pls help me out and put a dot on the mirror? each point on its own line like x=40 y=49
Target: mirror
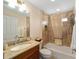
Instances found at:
x=15 y=23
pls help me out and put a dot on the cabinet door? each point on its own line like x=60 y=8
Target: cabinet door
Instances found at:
x=34 y=55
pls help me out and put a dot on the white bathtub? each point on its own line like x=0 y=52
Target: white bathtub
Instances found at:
x=60 y=52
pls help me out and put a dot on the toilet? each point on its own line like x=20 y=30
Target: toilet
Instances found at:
x=45 y=53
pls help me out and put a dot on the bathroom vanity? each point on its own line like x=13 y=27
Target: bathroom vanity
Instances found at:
x=27 y=52
x=32 y=53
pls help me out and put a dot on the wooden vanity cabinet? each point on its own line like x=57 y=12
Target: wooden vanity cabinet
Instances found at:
x=32 y=53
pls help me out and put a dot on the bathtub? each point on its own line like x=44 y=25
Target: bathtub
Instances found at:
x=60 y=52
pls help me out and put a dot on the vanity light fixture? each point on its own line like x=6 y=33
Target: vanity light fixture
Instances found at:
x=17 y=4
x=64 y=20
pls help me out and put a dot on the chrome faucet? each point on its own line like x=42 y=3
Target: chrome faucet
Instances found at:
x=18 y=39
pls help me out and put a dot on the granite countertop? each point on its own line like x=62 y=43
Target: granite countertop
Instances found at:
x=8 y=54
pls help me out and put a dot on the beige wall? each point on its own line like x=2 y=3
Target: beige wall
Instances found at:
x=35 y=21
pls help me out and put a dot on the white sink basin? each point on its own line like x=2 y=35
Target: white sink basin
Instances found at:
x=20 y=47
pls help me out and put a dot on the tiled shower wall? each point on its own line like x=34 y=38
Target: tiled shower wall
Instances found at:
x=58 y=30
x=62 y=30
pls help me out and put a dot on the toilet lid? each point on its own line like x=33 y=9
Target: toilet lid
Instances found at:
x=45 y=52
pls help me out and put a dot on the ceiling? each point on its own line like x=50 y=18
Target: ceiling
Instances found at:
x=50 y=7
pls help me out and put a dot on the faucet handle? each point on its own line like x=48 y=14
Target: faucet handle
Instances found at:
x=73 y=51
x=16 y=36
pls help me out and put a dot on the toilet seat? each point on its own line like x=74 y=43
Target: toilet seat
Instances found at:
x=45 y=52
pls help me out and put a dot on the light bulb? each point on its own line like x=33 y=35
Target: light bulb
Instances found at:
x=11 y=5
x=21 y=10
x=22 y=7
